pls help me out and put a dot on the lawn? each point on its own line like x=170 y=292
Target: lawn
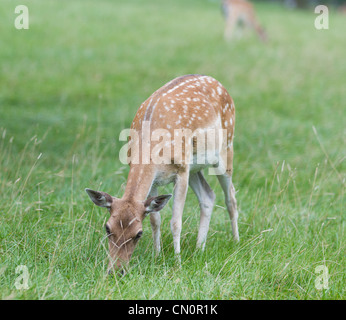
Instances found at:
x=72 y=81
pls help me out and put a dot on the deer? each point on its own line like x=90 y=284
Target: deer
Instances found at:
x=190 y=103
x=342 y=9
x=242 y=12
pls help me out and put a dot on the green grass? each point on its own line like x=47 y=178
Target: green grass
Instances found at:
x=75 y=79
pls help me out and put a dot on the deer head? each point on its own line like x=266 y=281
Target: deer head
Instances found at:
x=125 y=226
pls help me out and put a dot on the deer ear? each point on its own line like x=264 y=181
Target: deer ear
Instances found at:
x=155 y=204
x=101 y=199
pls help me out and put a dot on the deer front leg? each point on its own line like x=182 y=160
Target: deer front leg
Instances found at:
x=231 y=24
x=179 y=196
x=155 y=221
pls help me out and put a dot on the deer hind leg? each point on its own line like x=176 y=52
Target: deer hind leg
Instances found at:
x=229 y=191
x=255 y=25
x=261 y=33
x=231 y=202
x=155 y=221
x=206 y=198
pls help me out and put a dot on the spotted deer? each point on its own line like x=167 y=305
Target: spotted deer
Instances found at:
x=188 y=104
x=240 y=12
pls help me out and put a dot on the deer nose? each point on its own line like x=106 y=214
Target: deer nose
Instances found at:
x=120 y=272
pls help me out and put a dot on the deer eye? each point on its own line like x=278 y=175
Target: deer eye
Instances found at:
x=108 y=231
x=138 y=235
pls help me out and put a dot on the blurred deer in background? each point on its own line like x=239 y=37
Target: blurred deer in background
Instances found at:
x=342 y=9
x=240 y=12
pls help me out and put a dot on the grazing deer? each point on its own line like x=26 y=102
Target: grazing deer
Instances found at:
x=342 y=9
x=188 y=104
x=240 y=12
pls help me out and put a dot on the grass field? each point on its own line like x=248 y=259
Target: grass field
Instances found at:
x=75 y=79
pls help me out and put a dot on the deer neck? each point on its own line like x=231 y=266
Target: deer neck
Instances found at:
x=139 y=181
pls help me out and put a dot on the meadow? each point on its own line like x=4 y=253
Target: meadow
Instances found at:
x=72 y=81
